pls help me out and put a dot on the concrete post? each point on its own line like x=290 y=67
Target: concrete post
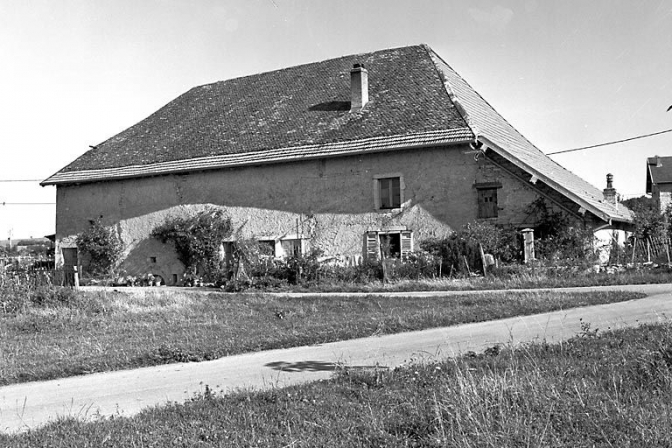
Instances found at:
x=528 y=245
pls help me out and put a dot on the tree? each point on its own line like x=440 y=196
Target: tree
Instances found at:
x=102 y=245
x=648 y=220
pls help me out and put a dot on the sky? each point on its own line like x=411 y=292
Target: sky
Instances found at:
x=566 y=74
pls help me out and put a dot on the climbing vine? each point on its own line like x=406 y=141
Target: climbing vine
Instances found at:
x=197 y=239
x=102 y=245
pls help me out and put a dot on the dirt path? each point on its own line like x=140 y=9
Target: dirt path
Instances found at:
x=29 y=405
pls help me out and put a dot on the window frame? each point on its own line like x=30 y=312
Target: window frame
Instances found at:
x=372 y=242
x=377 y=187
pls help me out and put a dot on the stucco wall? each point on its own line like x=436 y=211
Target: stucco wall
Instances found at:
x=329 y=201
x=663 y=196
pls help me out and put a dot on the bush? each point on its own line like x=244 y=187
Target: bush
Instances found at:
x=102 y=245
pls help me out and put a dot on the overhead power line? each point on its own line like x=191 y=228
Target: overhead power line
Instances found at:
x=21 y=180
x=27 y=203
x=609 y=143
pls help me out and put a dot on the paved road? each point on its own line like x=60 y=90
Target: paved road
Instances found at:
x=29 y=405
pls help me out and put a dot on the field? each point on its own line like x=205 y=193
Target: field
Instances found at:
x=66 y=333
x=595 y=390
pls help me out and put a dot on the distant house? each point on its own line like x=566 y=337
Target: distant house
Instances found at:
x=659 y=180
x=335 y=155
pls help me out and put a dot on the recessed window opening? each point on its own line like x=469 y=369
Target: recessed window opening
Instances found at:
x=390 y=245
x=390 y=192
x=291 y=248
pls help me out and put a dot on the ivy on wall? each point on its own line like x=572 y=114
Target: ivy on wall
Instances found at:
x=197 y=239
x=102 y=245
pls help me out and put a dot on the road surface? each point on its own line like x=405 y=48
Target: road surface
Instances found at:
x=29 y=405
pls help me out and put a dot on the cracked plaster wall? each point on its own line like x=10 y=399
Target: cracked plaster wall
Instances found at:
x=330 y=201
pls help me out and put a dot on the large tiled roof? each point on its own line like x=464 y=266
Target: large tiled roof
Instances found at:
x=286 y=113
x=415 y=100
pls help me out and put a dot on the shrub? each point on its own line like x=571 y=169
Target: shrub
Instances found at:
x=558 y=238
x=197 y=240
x=102 y=245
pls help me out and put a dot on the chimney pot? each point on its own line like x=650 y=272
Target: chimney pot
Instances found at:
x=609 y=193
x=359 y=87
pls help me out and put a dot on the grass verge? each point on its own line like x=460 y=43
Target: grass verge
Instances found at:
x=103 y=331
x=611 y=389
x=527 y=277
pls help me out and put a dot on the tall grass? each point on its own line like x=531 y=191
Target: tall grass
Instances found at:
x=98 y=331
x=603 y=390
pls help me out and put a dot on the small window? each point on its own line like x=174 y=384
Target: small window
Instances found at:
x=291 y=248
x=152 y=259
x=388 y=191
x=487 y=199
x=394 y=244
x=487 y=203
x=267 y=247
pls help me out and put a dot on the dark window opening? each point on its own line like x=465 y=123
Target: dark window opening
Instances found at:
x=152 y=259
x=267 y=247
x=393 y=244
x=390 y=245
x=390 y=192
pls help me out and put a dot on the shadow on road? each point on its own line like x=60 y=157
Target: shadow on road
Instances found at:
x=315 y=366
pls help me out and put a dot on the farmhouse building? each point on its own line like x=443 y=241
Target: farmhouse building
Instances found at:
x=659 y=181
x=334 y=155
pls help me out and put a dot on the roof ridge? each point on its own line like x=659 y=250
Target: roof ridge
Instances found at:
x=306 y=64
x=449 y=90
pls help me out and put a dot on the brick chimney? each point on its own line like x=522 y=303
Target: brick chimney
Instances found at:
x=359 y=87
x=610 y=192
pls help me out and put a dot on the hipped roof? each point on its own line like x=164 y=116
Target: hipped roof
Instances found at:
x=415 y=100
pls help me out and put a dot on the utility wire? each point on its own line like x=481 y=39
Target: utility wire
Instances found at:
x=609 y=143
x=27 y=203
x=21 y=180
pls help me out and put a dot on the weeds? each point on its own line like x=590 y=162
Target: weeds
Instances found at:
x=584 y=392
x=64 y=332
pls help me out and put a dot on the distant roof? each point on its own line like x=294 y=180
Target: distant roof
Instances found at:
x=658 y=171
x=415 y=100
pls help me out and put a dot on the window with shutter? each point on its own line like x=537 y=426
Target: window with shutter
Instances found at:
x=371 y=245
x=487 y=199
x=406 y=243
x=391 y=244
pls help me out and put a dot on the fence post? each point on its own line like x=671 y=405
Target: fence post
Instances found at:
x=75 y=276
x=528 y=245
x=648 y=250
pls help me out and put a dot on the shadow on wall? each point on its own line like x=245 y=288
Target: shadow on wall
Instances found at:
x=151 y=256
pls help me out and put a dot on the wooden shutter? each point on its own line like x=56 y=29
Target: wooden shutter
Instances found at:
x=487 y=203
x=406 y=243
x=371 y=247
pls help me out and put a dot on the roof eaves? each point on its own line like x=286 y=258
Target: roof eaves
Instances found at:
x=308 y=152
x=607 y=217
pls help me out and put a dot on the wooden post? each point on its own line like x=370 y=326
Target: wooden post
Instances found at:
x=648 y=250
x=634 y=250
x=485 y=267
